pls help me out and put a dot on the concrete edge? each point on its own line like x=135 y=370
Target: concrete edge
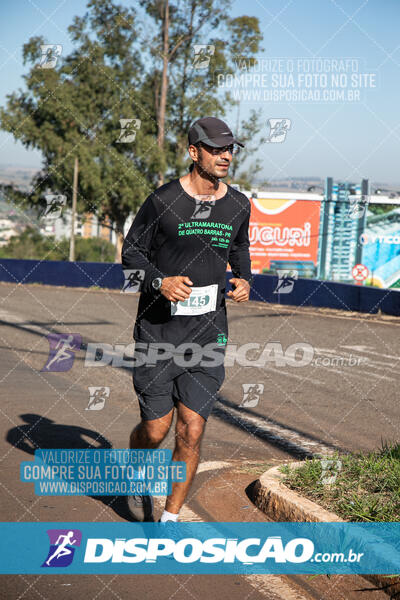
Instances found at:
x=282 y=504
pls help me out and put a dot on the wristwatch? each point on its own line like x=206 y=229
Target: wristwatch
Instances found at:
x=156 y=283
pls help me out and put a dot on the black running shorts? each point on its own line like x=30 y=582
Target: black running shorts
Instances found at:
x=159 y=388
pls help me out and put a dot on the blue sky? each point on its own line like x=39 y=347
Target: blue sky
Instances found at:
x=346 y=140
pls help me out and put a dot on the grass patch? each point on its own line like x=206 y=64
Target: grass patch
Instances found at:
x=366 y=487
x=257 y=468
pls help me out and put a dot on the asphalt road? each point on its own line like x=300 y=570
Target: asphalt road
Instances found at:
x=343 y=398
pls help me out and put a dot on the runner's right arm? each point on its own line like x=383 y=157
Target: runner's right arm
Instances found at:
x=136 y=252
x=137 y=244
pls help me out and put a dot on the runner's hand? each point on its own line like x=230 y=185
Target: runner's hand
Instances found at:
x=176 y=288
x=241 y=292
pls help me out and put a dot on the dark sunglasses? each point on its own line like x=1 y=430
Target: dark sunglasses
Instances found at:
x=232 y=149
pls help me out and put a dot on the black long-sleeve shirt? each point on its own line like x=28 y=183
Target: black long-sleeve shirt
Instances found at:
x=176 y=234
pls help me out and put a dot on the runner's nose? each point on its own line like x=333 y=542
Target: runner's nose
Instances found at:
x=226 y=155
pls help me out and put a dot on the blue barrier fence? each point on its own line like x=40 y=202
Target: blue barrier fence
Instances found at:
x=58 y=272
x=306 y=292
x=328 y=294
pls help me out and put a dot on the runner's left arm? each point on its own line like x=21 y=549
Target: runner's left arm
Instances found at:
x=239 y=254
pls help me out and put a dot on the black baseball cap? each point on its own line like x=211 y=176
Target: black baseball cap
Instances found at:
x=213 y=132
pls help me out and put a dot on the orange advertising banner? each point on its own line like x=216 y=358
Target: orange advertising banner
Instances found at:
x=283 y=229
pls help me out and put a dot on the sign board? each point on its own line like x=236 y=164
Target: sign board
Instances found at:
x=283 y=230
x=360 y=272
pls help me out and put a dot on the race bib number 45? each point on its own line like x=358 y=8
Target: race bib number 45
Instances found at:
x=202 y=300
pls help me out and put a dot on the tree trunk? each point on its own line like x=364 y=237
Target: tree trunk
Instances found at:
x=118 y=245
x=74 y=194
x=164 y=88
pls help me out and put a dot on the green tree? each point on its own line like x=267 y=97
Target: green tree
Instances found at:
x=118 y=71
x=381 y=209
x=33 y=245
x=74 y=110
x=182 y=92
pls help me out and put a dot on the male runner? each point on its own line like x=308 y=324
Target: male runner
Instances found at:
x=182 y=237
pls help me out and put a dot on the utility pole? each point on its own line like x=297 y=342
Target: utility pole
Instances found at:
x=74 y=193
x=164 y=86
x=323 y=272
x=362 y=219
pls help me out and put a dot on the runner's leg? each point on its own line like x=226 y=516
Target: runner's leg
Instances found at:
x=150 y=434
x=147 y=435
x=189 y=431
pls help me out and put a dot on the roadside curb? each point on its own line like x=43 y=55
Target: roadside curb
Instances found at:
x=282 y=504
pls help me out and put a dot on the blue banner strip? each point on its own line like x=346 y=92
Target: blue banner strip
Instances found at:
x=200 y=548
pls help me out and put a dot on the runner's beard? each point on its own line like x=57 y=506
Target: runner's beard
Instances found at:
x=213 y=175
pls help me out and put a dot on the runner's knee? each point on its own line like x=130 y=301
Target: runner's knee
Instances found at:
x=189 y=434
x=154 y=431
x=149 y=432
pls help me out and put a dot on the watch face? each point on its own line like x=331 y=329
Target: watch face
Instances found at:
x=156 y=283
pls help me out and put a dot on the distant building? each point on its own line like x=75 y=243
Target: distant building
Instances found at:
x=8 y=229
x=343 y=219
x=86 y=226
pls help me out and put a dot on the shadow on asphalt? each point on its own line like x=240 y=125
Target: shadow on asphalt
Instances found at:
x=43 y=433
x=24 y=325
x=259 y=315
x=289 y=446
